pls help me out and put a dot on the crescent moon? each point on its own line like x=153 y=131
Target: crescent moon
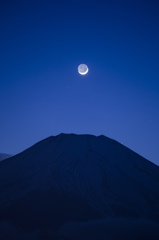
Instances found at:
x=83 y=69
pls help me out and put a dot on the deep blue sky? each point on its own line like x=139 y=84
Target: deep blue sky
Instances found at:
x=41 y=93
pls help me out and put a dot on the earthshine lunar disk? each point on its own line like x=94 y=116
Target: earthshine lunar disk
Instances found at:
x=82 y=69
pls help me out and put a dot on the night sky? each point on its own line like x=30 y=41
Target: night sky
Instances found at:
x=41 y=92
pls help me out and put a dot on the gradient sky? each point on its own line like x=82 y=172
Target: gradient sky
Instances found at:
x=41 y=93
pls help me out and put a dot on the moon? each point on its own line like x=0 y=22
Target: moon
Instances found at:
x=83 y=69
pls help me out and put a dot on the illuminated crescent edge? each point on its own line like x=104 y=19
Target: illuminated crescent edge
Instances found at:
x=84 y=72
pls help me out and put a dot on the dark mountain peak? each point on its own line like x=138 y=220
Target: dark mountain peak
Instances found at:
x=102 y=176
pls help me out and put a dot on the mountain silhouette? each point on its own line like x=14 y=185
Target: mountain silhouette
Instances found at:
x=72 y=177
x=4 y=156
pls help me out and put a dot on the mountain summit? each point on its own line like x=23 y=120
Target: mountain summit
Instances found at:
x=72 y=177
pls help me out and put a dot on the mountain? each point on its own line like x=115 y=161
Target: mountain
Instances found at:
x=73 y=177
x=4 y=156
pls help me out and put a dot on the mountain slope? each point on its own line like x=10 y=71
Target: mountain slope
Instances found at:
x=95 y=176
x=4 y=156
